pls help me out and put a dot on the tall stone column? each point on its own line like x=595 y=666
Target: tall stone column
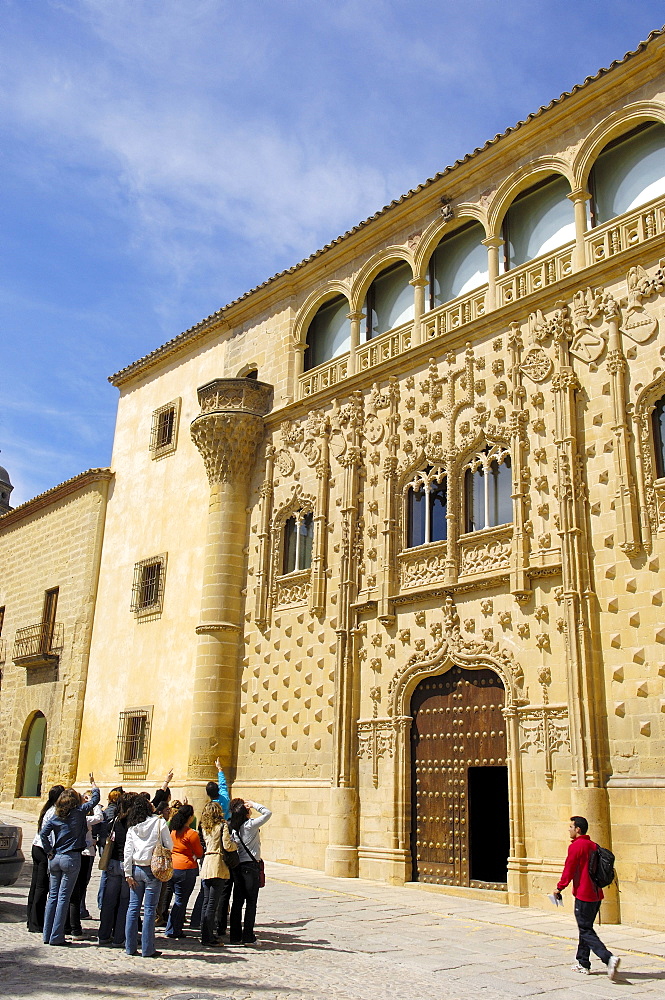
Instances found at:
x=227 y=432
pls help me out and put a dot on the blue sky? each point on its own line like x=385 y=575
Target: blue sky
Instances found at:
x=160 y=157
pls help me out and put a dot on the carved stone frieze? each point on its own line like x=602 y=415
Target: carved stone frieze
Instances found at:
x=292 y=590
x=376 y=739
x=489 y=552
x=638 y=323
x=546 y=730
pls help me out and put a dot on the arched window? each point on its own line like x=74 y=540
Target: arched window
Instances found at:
x=629 y=172
x=458 y=265
x=389 y=301
x=33 y=758
x=487 y=489
x=658 y=426
x=298 y=538
x=427 y=507
x=329 y=333
x=539 y=220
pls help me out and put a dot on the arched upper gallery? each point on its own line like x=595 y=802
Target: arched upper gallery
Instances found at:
x=329 y=332
x=458 y=265
x=628 y=172
x=389 y=300
x=539 y=220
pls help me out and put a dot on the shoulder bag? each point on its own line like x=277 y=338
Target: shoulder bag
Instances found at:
x=231 y=859
x=105 y=856
x=161 y=863
x=259 y=864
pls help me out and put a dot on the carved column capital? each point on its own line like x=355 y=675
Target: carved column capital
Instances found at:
x=230 y=427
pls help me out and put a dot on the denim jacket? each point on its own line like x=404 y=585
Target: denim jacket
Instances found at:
x=69 y=833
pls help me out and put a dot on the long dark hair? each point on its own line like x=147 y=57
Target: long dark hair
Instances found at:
x=239 y=814
x=139 y=811
x=68 y=800
x=53 y=796
x=180 y=819
x=124 y=803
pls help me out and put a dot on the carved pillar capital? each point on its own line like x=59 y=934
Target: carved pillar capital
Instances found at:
x=229 y=428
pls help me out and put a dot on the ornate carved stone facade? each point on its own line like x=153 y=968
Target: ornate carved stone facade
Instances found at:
x=516 y=422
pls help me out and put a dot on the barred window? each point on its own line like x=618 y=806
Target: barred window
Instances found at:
x=148 y=588
x=164 y=432
x=133 y=740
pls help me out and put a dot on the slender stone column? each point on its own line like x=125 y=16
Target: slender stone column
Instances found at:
x=227 y=432
x=579 y=198
x=354 y=342
x=493 y=244
x=419 y=286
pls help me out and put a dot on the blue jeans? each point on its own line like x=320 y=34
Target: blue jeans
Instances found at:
x=146 y=892
x=63 y=872
x=100 y=891
x=114 y=904
x=184 y=880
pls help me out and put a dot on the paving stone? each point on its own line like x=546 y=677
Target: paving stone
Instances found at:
x=324 y=937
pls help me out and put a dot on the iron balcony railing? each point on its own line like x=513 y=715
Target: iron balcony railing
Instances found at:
x=41 y=640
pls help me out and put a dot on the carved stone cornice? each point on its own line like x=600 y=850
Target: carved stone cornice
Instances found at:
x=230 y=426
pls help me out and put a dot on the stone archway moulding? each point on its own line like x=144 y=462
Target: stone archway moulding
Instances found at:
x=319 y=297
x=610 y=128
x=453 y=649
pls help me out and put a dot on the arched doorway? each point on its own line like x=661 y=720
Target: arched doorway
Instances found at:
x=460 y=831
x=33 y=758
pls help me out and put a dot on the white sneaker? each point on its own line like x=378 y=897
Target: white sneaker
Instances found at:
x=580 y=968
x=612 y=967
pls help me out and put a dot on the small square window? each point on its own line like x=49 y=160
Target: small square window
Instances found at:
x=133 y=740
x=164 y=432
x=148 y=587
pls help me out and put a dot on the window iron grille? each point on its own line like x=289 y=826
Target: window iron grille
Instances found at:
x=148 y=586
x=133 y=740
x=164 y=429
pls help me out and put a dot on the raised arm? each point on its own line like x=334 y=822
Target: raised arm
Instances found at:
x=263 y=817
x=89 y=806
x=223 y=798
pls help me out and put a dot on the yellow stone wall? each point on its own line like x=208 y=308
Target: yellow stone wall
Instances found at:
x=52 y=541
x=568 y=612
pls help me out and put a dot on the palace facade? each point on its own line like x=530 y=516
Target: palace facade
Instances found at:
x=387 y=533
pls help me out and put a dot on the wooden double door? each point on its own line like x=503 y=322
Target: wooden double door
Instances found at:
x=459 y=780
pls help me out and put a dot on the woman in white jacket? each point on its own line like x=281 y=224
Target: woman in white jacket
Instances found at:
x=144 y=830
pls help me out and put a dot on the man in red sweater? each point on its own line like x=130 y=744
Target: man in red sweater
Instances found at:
x=588 y=898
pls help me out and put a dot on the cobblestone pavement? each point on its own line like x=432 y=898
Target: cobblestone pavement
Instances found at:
x=336 y=938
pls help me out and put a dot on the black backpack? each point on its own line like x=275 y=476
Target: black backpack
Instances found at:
x=601 y=867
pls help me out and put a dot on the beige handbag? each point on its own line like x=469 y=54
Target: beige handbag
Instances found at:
x=161 y=863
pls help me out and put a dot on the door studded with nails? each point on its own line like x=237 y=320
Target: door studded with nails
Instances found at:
x=459 y=775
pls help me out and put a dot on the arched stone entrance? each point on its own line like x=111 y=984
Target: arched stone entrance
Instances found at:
x=460 y=829
x=32 y=764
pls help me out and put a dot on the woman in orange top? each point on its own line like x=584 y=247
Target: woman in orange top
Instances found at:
x=187 y=849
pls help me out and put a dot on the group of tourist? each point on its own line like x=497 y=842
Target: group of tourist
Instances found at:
x=149 y=852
